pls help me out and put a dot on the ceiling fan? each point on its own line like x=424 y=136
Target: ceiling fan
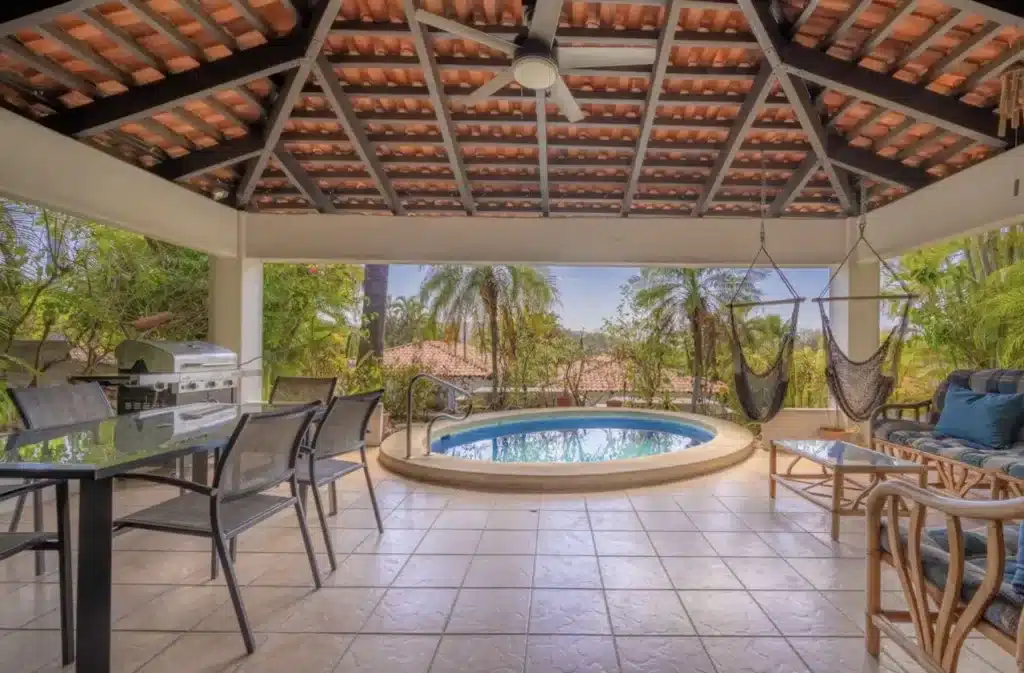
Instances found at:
x=537 y=61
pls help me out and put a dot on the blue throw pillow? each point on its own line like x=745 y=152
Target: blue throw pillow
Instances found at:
x=1018 y=575
x=989 y=419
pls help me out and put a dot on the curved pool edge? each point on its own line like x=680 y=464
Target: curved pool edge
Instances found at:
x=730 y=445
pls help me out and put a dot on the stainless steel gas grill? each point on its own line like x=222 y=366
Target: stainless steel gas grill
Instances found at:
x=156 y=374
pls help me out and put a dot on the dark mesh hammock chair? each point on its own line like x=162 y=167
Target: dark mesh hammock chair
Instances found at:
x=858 y=387
x=762 y=394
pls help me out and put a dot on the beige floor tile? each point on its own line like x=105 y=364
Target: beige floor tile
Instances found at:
x=644 y=654
x=490 y=611
x=273 y=539
x=148 y=540
x=796 y=544
x=425 y=501
x=480 y=654
x=753 y=655
x=508 y=542
x=179 y=609
x=462 y=519
x=367 y=570
x=500 y=571
x=853 y=603
x=766 y=574
x=841 y=655
x=565 y=542
x=290 y=570
x=430 y=570
x=563 y=502
x=449 y=542
x=567 y=572
x=839 y=574
x=681 y=543
x=571 y=654
x=717 y=522
x=633 y=572
x=654 y=502
x=512 y=519
x=749 y=503
x=124 y=598
x=305 y=652
x=614 y=520
x=969 y=662
x=563 y=520
x=29 y=650
x=389 y=542
x=993 y=655
x=151 y=567
x=694 y=502
x=804 y=613
x=568 y=611
x=609 y=503
x=666 y=521
x=329 y=610
x=768 y=522
x=622 y=543
x=412 y=611
x=28 y=603
x=264 y=605
x=726 y=613
x=356 y=518
x=129 y=652
x=520 y=501
x=470 y=501
x=411 y=518
x=647 y=613
x=201 y=653
x=739 y=544
x=812 y=522
x=388 y=654
x=696 y=572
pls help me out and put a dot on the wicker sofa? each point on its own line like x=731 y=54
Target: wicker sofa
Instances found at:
x=960 y=467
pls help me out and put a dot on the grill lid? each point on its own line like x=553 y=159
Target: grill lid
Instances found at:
x=173 y=357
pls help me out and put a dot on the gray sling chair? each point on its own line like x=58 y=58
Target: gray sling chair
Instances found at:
x=302 y=390
x=47 y=407
x=12 y=543
x=260 y=456
x=342 y=430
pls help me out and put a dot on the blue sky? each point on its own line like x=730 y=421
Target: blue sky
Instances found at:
x=591 y=294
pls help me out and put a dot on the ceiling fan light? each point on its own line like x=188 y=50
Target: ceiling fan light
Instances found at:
x=535 y=72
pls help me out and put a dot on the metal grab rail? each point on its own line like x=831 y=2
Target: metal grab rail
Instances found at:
x=430 y=425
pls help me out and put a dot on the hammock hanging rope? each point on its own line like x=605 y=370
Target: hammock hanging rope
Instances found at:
x=762 y=394
x=858 y=387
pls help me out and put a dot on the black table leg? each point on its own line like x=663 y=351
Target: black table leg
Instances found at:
x=95 y=575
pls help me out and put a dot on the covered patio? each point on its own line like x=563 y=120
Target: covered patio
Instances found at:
x=335 y=130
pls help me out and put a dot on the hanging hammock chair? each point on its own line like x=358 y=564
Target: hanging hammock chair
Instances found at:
x=859 y=387
x=762 y=394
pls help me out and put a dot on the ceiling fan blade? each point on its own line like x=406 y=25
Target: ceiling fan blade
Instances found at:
x=562 y=97
x=466 y=32
x=580 y=58
x=545 y=20
x=495 y=84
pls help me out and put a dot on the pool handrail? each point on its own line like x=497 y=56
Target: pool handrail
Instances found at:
x=430 y=424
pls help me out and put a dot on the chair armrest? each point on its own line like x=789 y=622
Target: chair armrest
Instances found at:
x=28 y=487
x=881 y=413
x=984 y=510
x=201 y=489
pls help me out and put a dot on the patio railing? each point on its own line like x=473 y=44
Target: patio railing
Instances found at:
x=430 y=425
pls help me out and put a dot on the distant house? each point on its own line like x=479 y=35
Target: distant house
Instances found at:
x=460 y=363
x=605 y=377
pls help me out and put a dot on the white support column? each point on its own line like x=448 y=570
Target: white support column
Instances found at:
x=236 y=317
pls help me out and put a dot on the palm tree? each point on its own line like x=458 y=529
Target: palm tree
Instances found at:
x=455 y=293
x=692 y=299
x=375 y=305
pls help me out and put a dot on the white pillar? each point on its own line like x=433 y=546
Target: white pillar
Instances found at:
x=236 y=317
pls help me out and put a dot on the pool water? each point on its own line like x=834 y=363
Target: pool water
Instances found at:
x=572 y=439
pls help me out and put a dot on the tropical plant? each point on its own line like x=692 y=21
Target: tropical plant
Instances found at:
x=408 y=321
x=488 y=295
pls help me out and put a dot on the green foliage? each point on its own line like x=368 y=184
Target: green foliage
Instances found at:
x=396 y=391
x=408 y=321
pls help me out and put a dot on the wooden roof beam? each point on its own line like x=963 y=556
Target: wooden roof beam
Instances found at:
x=663 y=54
x=985 y=34
x=888 y=92
x=847 y=22
x=144 y=101
x=542 y=151
x=432 y=78
x=350 y=122
x=312 y=35
x=992 y=69
x=938 y=29
x=209 y=159
x=867 y=163
x=740 y=129
x=16 y=15
x=122 y=39
x=796 y=183
x=167 y=29
x=765 y=26
x=300 y=178
x=46 y=67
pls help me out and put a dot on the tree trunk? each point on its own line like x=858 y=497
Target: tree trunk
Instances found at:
x=698 y=359
x=492 y=314
x=375 y=306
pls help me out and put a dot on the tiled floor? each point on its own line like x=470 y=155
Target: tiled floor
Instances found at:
x=698 y=576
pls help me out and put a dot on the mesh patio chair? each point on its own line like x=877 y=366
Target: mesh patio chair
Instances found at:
x=12 y=543
x=47 y=407
x=260 y=456
x=302 y=390
x=342 y=430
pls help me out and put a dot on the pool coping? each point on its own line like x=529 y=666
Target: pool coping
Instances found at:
x=730 y=445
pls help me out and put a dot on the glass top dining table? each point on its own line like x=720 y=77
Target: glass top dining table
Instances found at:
x=93 y=454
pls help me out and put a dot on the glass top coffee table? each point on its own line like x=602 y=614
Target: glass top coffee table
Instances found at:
x=847 y=474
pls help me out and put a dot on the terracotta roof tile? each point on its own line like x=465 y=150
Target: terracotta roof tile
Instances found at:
x=440 y=358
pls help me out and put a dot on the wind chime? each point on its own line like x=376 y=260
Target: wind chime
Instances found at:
x=1011 y=101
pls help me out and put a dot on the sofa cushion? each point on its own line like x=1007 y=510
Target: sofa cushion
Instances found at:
x=886 y=430
x=989 y=419
x=980 y=381
x=920 y=438
x=1005 y=609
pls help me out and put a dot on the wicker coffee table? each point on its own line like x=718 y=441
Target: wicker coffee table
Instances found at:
x=848 y=473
